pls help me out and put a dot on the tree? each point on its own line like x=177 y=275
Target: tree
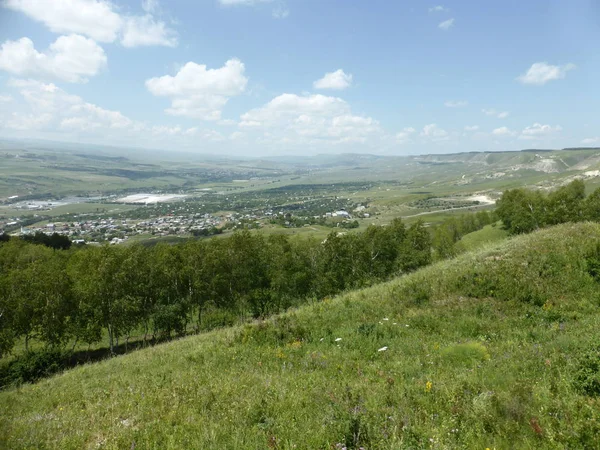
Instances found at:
x=416 y=249
x=522 y=211
x=95 y=275
x=591 y=206
x=566 y=203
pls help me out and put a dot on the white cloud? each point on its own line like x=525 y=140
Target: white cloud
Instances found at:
x=446 y=24
x=99 y=20
x=471 y=128
x=503 y=131
x=438 y=8
x=405 y=135
x=70 y=58
x=46 y=110
x=537 y=130
x=590 y=141
x=150 y=6
x=493 y=112
x=540 y=73
x=146 y=31
x=281 y=13
x=5 y=98
x=456 y=103
x=434 y=133
x=94 y=18
x=310 y=119
x=198 y=92
x=337 y=80
x=56 y=108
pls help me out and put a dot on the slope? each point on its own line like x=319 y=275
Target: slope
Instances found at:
x=493 y=349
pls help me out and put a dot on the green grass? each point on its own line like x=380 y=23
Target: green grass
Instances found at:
x=483 y=351
x=487 y=235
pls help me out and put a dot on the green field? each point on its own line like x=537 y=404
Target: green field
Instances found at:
x=494 y=349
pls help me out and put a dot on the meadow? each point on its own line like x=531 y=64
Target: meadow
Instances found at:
x=496 y=349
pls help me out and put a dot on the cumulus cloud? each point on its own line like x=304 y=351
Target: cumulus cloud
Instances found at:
x=471 y=128
x=446 y=24
x=146 y=31
x=198 y=92
x=94 y=18
x=540 y=73
x=456 y=103
x=503 y=132
x=405 y=135
x=58 y=109
x=45 y=109
x=493 y=112
x=537 y=129
x=296 y=119
x=5 y=98
x=71 y=58
x=337 y=80
x=99 y=20
x=434 y=133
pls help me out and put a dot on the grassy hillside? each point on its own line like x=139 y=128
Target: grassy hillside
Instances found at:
x=495 y=349
x=487 y=235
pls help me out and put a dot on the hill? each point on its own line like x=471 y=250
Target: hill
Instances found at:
x=494 y=349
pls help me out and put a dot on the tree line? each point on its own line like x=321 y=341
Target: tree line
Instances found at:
x=84 y=294
x=523 y=210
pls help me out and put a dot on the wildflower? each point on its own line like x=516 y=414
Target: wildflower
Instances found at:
x=382 y=349
x=385 y=318
x=428 y=386
x=321 y=340
x=338 y=339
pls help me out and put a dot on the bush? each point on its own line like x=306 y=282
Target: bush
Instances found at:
x=32 y=366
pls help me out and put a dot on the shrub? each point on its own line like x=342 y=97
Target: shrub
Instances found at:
x=32 y=366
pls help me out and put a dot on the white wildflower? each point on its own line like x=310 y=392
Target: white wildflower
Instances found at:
x=382 y=349
x=338 y=339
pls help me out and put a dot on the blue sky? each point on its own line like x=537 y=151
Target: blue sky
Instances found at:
x=267 y=77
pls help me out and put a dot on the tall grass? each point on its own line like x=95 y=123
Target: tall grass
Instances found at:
x=493 y=349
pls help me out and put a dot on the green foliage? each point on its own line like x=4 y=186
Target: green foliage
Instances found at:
x=32 y=366
x=113 y=291
x=55 y=240
x=369 y=369
x=587 y=376
x=465 y=354
x=523 y=211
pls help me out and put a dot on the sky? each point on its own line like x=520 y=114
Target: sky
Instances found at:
x=302 y=77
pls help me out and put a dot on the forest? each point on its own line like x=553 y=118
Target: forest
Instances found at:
x=63 y=297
